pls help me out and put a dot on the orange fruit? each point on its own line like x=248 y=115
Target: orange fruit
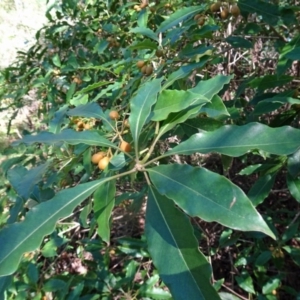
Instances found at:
x=87 y=126
x=103 y=163
x=114 y=115
x=125 y=147
x=159 y=53
x=97 y=157
x=235 y=11
x=149 y=70
x=126 y=123
x=201 y=21
x=140 y=64
x=224 y=13
x=143 y=69
x=215 y=6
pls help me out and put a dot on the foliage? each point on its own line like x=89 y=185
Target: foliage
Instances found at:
x=195 y=94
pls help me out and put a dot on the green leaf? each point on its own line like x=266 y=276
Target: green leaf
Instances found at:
x=209 y=196
x=215 y=108
x=294 y=186
x=261 y=189
x=184 y=71
x=234 y=140
x=23 y=180
x=294 y=54
x=92 y=87
x=79 y=99
x=104 y=201
x=174 y=101
x=141 y=105
x=58 y=120
x=293 y=164
x=56 y=60
x=145 y=32
x=270 y=285
x=26 y=236
x=70 y=92
x=145 y=44
x=270 y=81
x=176 y=118
x=294 y=253
x=69 y=136
x=245 y=282
x=89 y=110
x=271 y=104
x=185 y=270
x=143 y=18
x=209 y=88
x=239 y=42
x=269 y=12
x=179 y=16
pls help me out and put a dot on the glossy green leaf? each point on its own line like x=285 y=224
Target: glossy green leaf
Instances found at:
x=174 y=101
x=184 y=71
x=92 y=87
x=294 y=186
x=271 y=285
x=209 y=196
x=177 y=118
x=270 y=81
x=234 y=140
x=69 y=136
x=26 y=236
x=209 y=88
x=145 y=44
x=56 y=123
x=141 y=105
x=293 y=164
x=270 y=104
x=215 y=108
x=294 y=54
x=294 y=253
x=269 y=12
x=89 y=110
x=143 y=19
x=174 y=250
x=261 y=189
x=245 y=282
x=228 y=296
x=23 y=180
x=179 y=16
x=145 y=32
x=239 y=42
x=170 y=101
x=104 y=200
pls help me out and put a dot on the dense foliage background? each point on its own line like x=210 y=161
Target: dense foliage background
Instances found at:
x=162 y=159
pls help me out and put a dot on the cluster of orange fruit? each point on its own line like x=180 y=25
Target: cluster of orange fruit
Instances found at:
x=144 y=67
x=101 y=158
x=113 y=42
x=217 y=7
x=80 y=125
x=224 y=10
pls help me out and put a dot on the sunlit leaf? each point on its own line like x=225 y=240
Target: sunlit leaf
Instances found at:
x=104 y=200
x=141 y=105
x=69 y=136
x=234 y=140
x=26 y=236
x=174 y=250
x=179 y=16
x=209 y=196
